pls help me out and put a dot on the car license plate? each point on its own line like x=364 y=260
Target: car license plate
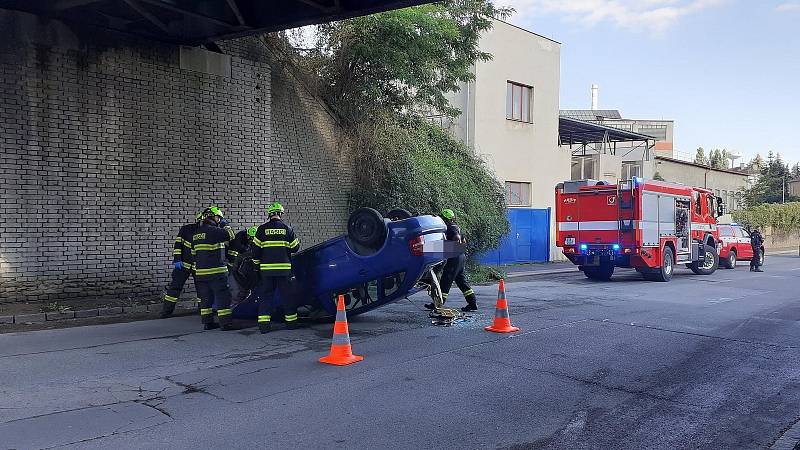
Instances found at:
x=569 y=241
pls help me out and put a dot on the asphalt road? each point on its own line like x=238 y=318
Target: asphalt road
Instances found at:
x=700 y=362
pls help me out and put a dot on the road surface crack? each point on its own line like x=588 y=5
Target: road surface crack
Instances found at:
x=690 y=333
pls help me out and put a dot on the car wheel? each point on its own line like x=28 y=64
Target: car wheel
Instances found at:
x=730 y=261
x=366 y=227
x=664 y=273
x=710 y=264
x=398 y=214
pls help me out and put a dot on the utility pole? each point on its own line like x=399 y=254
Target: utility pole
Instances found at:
x=783 y=188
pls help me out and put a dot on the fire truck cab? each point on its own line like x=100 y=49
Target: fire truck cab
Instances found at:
x=643 y=224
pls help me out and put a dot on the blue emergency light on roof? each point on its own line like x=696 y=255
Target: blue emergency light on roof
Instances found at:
x=584 y=246
x=615 y=246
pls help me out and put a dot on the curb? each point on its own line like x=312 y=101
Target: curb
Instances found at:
x=541 y=272
x=89 y=313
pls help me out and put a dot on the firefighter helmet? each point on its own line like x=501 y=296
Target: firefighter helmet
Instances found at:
x=275 y=208
x=213 y=211
x=448 y=214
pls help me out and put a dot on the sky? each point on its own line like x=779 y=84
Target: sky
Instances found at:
x=726 y=71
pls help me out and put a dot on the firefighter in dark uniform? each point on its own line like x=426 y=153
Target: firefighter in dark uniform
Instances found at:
x=756 y=242
x=454 y=267
x=210 y=269
x=274 y=244
x=242 y=276
x=182 y=265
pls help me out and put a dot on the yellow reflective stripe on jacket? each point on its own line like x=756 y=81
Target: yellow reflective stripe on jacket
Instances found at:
x=177 y=252
x=187 y=244
x=264 y=244
x=206 y=247
x=274 y=244
x=276 y=266
x=233 y=253
x=211 y=271
x=224 y=312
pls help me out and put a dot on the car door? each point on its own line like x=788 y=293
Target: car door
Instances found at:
x=743 y=239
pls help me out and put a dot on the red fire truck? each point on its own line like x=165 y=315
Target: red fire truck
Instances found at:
x=643 y=224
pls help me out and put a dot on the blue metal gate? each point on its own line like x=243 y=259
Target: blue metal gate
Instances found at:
x=528 y=241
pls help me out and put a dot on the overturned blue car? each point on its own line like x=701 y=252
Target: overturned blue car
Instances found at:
x=378 y=261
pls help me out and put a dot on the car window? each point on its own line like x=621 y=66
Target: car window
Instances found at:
x=697 y=204
x=390 y=284
x=725 y=231
x=743 y=233
x=360 y=295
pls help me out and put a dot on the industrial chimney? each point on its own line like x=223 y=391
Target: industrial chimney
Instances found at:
x=594 y=97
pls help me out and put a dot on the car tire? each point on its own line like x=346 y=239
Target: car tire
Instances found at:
x=664 y=273
x=603 y=272
x=730 y=261
x=398 y=214
x=707 y=269
x=366 y=228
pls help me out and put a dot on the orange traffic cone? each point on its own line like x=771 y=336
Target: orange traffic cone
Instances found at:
x=341 y=352
x=502 y=323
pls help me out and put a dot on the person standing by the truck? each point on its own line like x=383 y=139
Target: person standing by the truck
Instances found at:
x=756 y=242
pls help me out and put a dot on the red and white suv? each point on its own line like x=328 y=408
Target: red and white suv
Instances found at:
x=735 y=242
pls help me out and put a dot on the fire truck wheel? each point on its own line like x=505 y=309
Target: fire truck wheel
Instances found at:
x=603 y=272
x=710 y=264
x=730 y=261
x=663 y=273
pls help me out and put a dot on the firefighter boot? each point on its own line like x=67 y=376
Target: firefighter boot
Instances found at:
x=264 y=327
x=207 y=318
x=471 y=306
x=167 y=309
x=226 y=323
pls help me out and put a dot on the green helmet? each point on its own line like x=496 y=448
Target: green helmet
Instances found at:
x=448 y=214
x=252 y=231
x=213 y=211
x=275 y=208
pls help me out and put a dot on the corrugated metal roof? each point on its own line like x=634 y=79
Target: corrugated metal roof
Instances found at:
x=590 y=114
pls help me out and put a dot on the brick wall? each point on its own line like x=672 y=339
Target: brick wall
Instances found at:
x=108 y=146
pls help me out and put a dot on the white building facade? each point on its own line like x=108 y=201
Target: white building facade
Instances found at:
x=510 y=118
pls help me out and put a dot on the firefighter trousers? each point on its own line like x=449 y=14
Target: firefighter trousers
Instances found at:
x=174 y=289
x=755 y=263
x=454 y=271
x=268 y=302
x=213 y=290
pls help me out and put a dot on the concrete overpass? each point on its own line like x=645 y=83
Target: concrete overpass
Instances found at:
x=198 y=21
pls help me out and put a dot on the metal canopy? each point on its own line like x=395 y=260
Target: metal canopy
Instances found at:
x=573 y=132
x=195 y=22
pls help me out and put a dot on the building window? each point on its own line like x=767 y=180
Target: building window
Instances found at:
x=518 y=194
x=585 y=167
x=631 y=169
x=518 y=102
x=659 y=132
